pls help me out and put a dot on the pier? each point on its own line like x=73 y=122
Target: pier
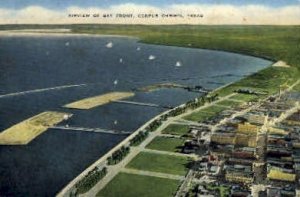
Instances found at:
x=95 y=130
x=142 y=104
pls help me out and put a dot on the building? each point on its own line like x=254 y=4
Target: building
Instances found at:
x=220 y=138
x=256 y=118
x=248 y=128
x=280 y=175
x=239 y=177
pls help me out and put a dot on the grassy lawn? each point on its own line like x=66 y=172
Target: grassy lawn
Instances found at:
x=199 y=116
x=267 y=80
x=229 y=103
x=297 y=88
x=166 y=144
x=128 y=185
x=205 y=114
x=214 y=109
x=244 y=97
x=176 y=129
x=160 y=163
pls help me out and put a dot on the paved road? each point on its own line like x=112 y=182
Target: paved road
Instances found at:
x=170 y=135
x=192 y=123
x=154 y=174
x=185 y=185
x=171 y=153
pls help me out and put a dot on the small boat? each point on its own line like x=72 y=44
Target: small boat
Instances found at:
x=121 y=60
x=67 y=44
x=138 y=48
x=178 y=64
x=115 y=82
x=66 y=117
x=109 y=45
x=151 y=57
x=115 y=122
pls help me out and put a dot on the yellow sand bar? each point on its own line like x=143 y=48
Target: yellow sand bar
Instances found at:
x=96 y=101
x=25 y=131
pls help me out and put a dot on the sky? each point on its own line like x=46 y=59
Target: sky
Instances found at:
x=282 y=12
x=62 y=4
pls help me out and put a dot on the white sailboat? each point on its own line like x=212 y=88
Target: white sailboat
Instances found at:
x=116 y=82
x=109 y=45
x=151 y=57
x=138 y=48
x=178 y=64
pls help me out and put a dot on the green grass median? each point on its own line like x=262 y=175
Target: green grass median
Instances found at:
x=166 y=144
x=129 y=185
x=176 y=129
x=162 y=163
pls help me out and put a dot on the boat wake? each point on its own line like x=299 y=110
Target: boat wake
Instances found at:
x=40 y=90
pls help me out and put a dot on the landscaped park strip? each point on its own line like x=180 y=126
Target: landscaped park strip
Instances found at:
x=139 y=138
x=118 y=155
x=176 y=129
x=170 y=144
x=27 y=130
x=91 y=179
x=89 y=103
x=162 y=163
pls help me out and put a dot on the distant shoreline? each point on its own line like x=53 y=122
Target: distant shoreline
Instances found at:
x=53 y=32
x=69 y=33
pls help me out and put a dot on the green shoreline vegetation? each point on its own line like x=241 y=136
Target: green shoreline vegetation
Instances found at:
x=90 y=180
x=118 y=155
x=139 y=138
